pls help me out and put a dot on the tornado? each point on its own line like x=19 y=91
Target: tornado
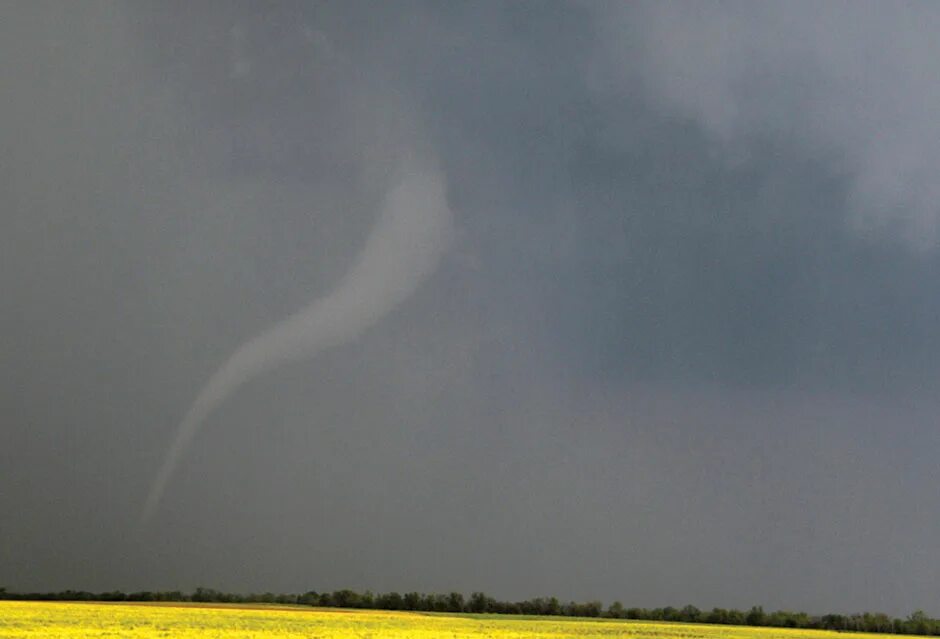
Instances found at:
x=406 y=243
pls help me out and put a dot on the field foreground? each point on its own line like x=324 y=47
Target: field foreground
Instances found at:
x=22 y=619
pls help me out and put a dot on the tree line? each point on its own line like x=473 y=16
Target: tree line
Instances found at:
x=917 y=623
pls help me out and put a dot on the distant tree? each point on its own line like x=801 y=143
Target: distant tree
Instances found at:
x=412 y=601
x=553 y=606
x=717 y=615
x=394 y=601
x=144 y=595
x=205 y=595
x=878 y=622
x=735 y=617
x=756 y=616
x=918 y=623
x=833 y=622
x=114 y=595
x=479 y=602
x=690 y=614
x=455 y=602
x=435 y=603
x=345 y=598
x=589 y=609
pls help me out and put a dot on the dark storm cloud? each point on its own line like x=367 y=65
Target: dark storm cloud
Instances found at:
x=679 y=350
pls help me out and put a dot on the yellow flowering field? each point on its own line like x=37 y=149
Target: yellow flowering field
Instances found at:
x=24 y=619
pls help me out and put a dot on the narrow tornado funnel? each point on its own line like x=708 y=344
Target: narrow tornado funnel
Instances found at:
x=405 y=245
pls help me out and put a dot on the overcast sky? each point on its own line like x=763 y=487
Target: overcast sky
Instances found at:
x=680 y=344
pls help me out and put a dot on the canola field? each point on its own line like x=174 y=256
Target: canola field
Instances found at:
x=32 y=620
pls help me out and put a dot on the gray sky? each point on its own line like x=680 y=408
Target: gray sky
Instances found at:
x=682 y=345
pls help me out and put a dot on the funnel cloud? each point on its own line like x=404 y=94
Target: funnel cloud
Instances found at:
x=681 y=347
x=402 y=250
